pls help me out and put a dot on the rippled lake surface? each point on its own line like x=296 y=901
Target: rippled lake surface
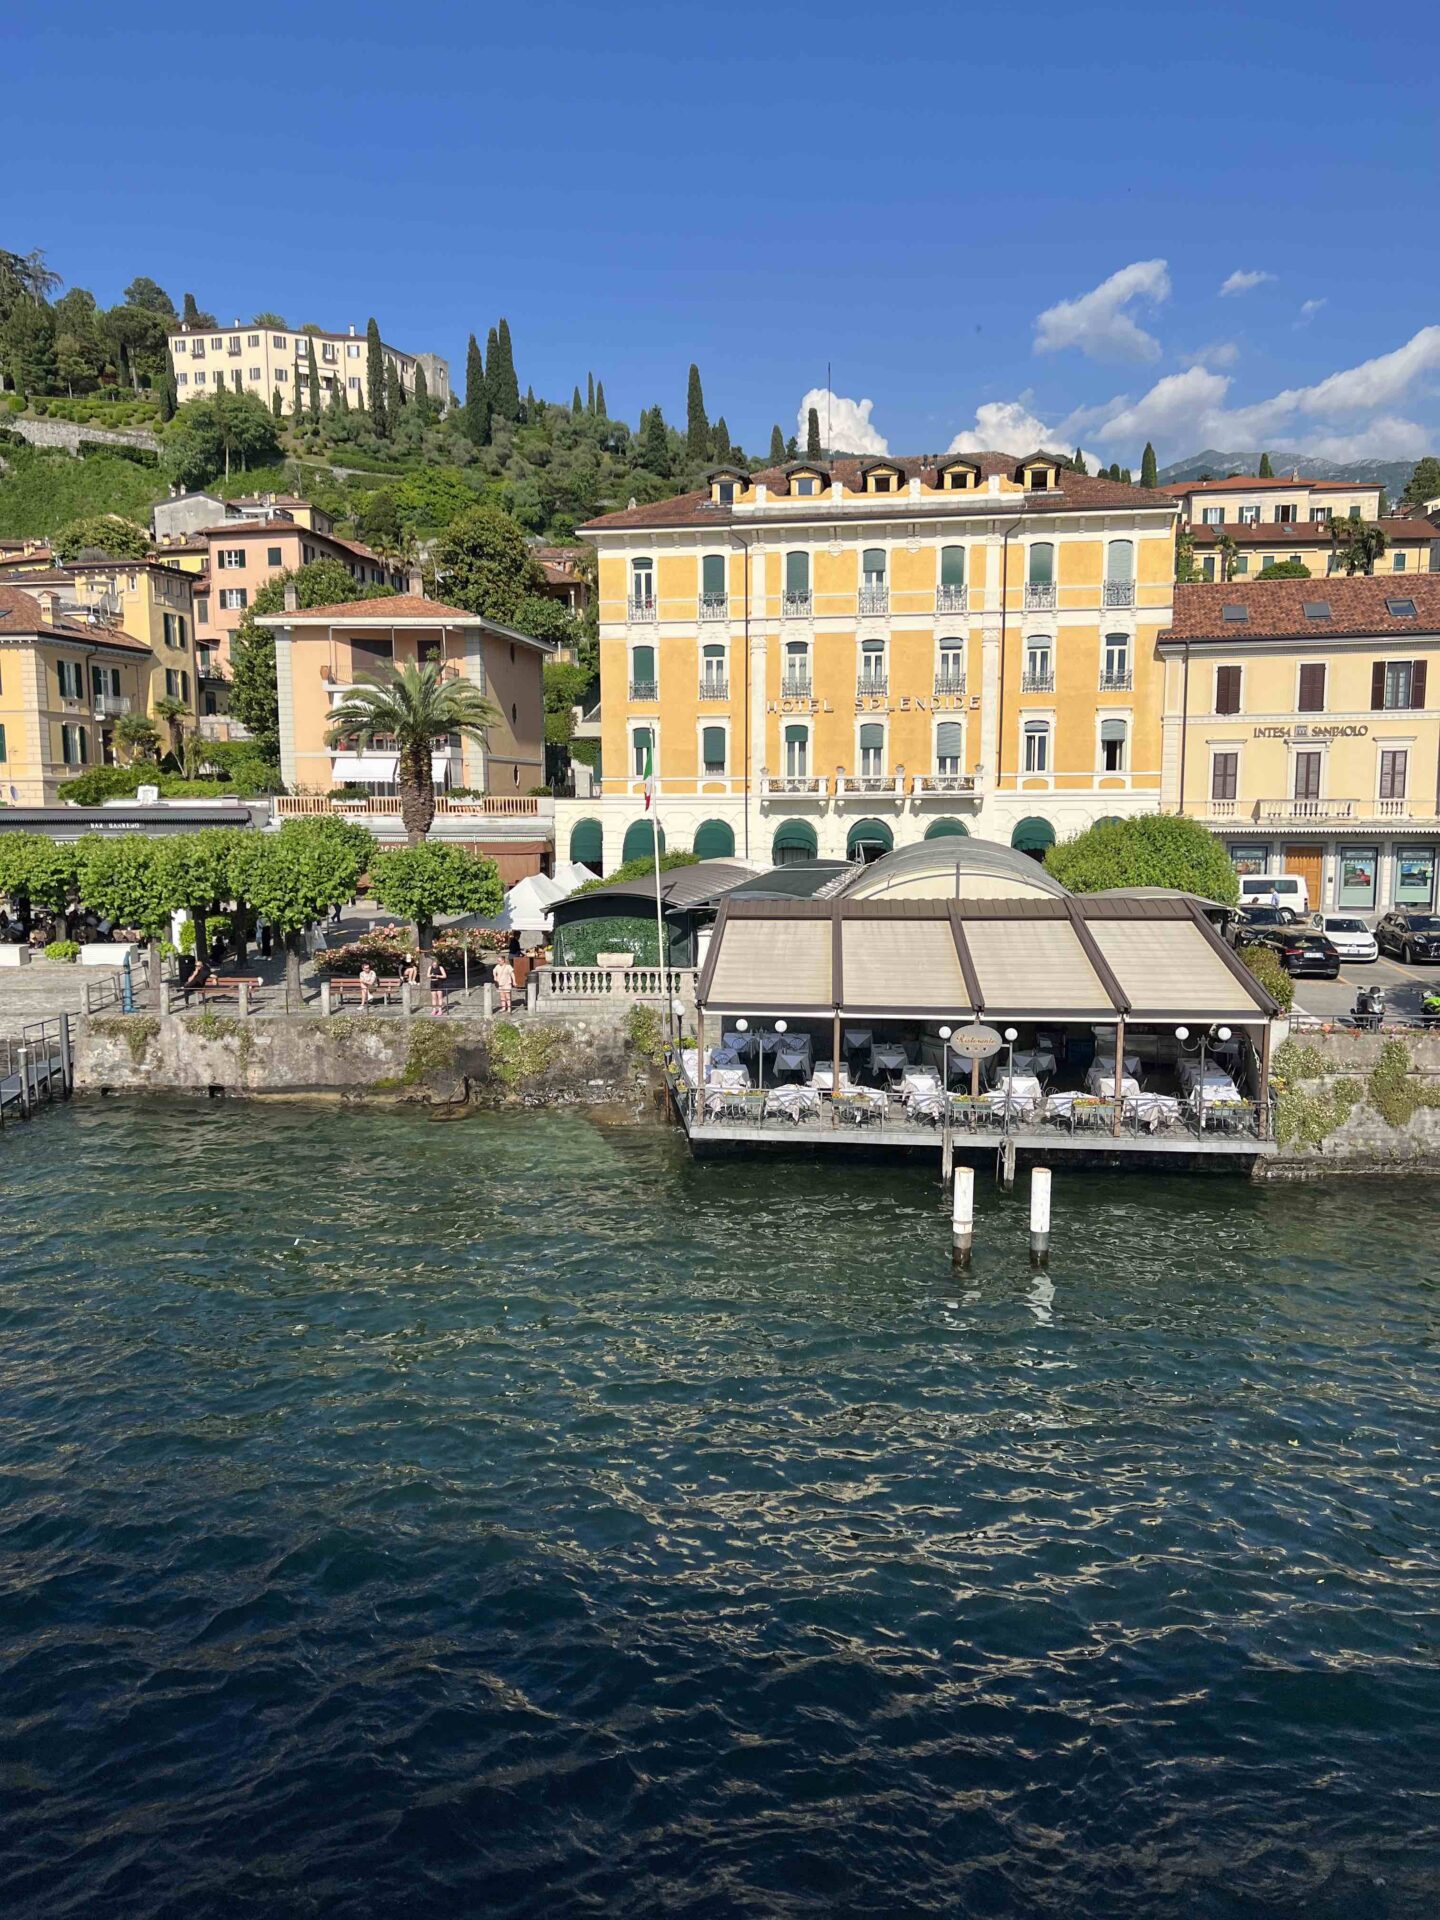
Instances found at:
x=511 y=1517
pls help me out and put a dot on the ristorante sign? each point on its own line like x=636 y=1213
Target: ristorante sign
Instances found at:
x=874 y=703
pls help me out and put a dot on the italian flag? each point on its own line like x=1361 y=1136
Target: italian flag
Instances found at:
x=649 y=775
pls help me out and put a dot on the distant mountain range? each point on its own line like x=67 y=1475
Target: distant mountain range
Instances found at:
x=1393 y=475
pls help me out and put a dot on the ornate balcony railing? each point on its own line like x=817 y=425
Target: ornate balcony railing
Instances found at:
x=1221 y=809
x=1040 y=596
x=1038 y=680
x=945 y=783
x=714 y=688
x=714 y=606
x=872 y=683
x=951 y=683
x=1119 y=593
x=1392 y=809
x=952 y=599
x=641 y=609
x=1117 y=679
x=796 y=686
x=874 y=600
x=796 y=606
x=868 y=785
x=110 y=706
x=795 y=784
x=1293 y=809
x=644 y=690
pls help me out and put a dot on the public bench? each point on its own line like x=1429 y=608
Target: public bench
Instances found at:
x=386 y=988
x=225 y=986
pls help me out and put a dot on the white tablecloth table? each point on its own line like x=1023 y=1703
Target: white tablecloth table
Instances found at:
x=1103 y=1084
x=795 y=1054
x=792 y=1103
x=855 y=1039
x=918 y=1083
x=1105 y=1059
x=1035 y=1060
x=888 y=1056
x=727 y=1079
x=857 y=1105
x=823 y=1077
x=1019 y=1091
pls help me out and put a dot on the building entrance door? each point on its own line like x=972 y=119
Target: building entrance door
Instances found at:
x=1309 y=864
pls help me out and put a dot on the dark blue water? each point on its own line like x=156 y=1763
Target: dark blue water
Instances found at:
x=511 y=1518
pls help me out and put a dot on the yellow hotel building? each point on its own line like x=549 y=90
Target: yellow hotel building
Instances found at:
x=833 y=658
x=1302 y=725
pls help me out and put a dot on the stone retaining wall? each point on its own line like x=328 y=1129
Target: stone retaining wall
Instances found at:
x=1364 y=1103
x=573 y=1062
x=69 y=434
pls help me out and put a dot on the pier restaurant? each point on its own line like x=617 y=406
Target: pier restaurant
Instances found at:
x=947 y=999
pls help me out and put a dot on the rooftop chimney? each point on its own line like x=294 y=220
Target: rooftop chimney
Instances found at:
x=415 y=583
x=47 y=602
x=292 y=597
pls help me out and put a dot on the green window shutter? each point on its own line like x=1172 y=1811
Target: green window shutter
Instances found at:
x=714 y=840
x=587 y=844
x=949 y=740
x=873 y=562
x=872 y=738
x=712 y=574
x=1042 y=564
x=713 y=746
x=794 y=736
x=952 y=566
x=797 y=573
x=642 y=664
x=715 y=653
x=2 y=743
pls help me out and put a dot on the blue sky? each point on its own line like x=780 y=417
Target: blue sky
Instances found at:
x=994 y=222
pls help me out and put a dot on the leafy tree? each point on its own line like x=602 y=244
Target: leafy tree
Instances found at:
x=277 y=405
x=422 y=396
x=137 y=738
x=105 y=533
x=1424 y=482
x=253 y=697
x=600 y=400
x=639 y=869
x=198 y=873
x=336 y=404
x=1152 y=850
x=193 y=318
x=1149 y=472
x=1267 y=472
x=207 y=434
x=777 y=446
x=484 y=563
x=414 y=708
x=25 y=276
x=38 y=872
x=294 y=878
x=1282 y=570
x=654 y=449
x=1125 y=477
x=312 y=379
x=1184 y=556
x=792 y=448
x=375 y=378
x=78 y=362
x=169 y=399
x=150 y=295
x=121 y=877
x=476 y=411
x=505 y=388
x=812 y=434
x=1229 y=554
x=492 y=376
x=1270 y=970
x=378 y=521
x=431 y=497
x=697 y=426
x=1358 y=544
x=431 y=877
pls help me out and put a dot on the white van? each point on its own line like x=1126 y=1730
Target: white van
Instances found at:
x=1275 y=890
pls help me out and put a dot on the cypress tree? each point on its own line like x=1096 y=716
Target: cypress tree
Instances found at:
x=422 y=394
x=697 y=427
x=1126 y=477
x=476 y=411
x=722 y=439
x=590 y=393
x=492 y=377
x=336 y=403
x=236 y=381
x=1078 y=463
x=654 y=451
x=1149 y=473
x=812 y=435
x=777 y=446
x=375 y=378
x=600 y=400
x=575 y=399
x=792 y=448
x=312 y=374
x=530 y=404
x=394 y=396
x=167 y=392
x=506 y=387
x=1267 y=472
x=1112 y=472
x=277 y=405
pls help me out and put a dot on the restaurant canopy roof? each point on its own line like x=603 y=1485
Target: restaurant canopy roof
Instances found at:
x=1087 y=959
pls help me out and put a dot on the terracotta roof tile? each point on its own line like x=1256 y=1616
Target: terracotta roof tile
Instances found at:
x=1275 y=609
x=392 y=607
x=1279 y=533
x=1075 y=491
x=1252 y=483
x=20 y=613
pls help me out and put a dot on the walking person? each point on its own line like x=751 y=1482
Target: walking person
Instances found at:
x=504 y=981
x=438 y=977
x=369 y=980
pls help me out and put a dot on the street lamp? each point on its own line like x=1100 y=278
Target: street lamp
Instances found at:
x=677 y=1007
x=1182 y=1034
x=1011 y=1036
x=945 y=1033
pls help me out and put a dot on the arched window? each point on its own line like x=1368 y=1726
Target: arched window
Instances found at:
x=872 y=565
x=1033 y=836
x=1115 y=674
x=797 y=752
x=639 y=841
x=587 y=844
x=642 y=587
x=1037 y=746
x=1041 y=564
x=642 y=749
x=795 y=677
x=867 y=840
x=713 y=598
x=714 y=840
x=1112 y=746
x=950 y=667
x=797 y=582
x=872 y=751
x=952 y=566
x=794 y=844
x=947 y=828
x=949 y=747
x=872 y=666
x=1120 y=560
x=642 y=673
x=712 y=672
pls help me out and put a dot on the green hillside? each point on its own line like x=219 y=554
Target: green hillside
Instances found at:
x=41 y=491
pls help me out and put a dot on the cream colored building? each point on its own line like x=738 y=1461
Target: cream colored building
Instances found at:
x=1245 y=500
x=1302 y=725
x=834 y=658
x=150 y=602
x=270 y=360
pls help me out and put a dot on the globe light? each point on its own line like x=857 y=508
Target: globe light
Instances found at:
x=1222 y=1033
x=742 y=1025
x=944 y=1033
x=782 y=1026
x=1012 y=1035
x=1182 y=1033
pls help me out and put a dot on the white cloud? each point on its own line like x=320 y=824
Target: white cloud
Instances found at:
x=1219 y=353
x=1098 y=323
x=1387 y=438
x=1171 y=410
x=1241 y=281
x=1308 y=311
x=844 y=424
x=1009 y=426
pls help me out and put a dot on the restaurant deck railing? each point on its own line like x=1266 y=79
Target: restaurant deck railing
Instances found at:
x=501 y=806
x=597 y=983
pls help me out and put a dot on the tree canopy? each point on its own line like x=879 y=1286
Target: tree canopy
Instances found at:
x=207 y=435
x=1152 y=850
x=105 y=534
x=422 y=882
x=484 y=564
x=253 y=697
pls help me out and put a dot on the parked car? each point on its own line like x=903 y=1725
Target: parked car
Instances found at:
x=1301 y=951
x=1251 y=922
x=1350 y=936
x=1409 y=936
x=1275 y=890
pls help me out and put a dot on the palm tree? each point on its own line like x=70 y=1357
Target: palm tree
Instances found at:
x=414 y=708
x=1358 y=544
x=174 y=713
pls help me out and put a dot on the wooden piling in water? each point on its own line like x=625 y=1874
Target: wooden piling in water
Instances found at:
x=962 y=1218
x=1040 y=1217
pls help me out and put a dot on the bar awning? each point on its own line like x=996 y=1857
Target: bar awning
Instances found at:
x=379 y=768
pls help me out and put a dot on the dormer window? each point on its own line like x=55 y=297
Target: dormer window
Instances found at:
x=1039 y=474
x=727 y=485
x=959 y=476
x=880 y=477
x=807 y=483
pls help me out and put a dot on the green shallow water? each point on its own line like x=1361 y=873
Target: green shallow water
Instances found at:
x=510 y=1517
